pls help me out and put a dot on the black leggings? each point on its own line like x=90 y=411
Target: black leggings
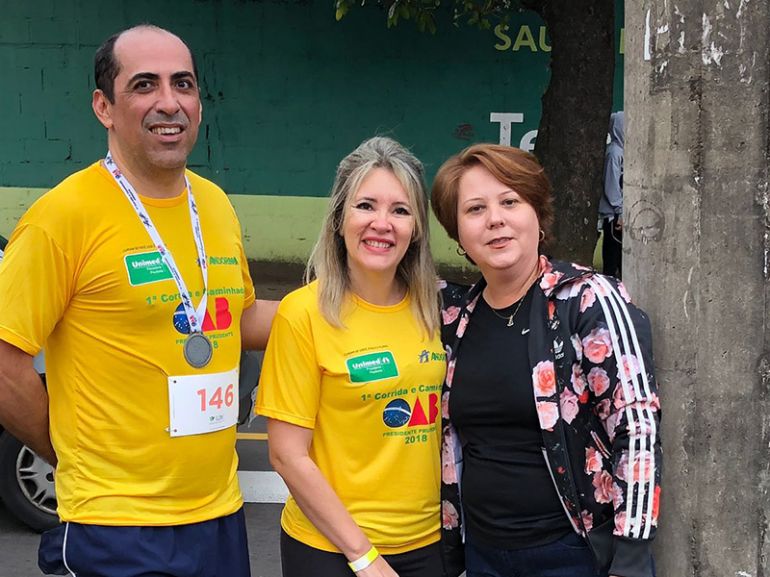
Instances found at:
x=300 y=560
x=612 y=249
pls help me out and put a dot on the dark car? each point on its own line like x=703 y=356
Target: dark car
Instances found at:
x=27 y=481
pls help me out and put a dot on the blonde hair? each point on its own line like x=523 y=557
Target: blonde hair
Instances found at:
x=328 y=261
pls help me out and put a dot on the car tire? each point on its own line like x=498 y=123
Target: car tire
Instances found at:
x=26 y=485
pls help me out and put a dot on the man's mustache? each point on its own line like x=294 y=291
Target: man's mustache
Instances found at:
x=179 y=118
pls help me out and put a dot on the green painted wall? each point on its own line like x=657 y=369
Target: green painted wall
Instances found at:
x=287 y=92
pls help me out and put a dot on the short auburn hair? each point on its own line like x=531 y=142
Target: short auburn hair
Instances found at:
x=513 y=167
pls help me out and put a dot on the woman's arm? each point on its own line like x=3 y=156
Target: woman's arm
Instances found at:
x=617 y=360
x=288 y=446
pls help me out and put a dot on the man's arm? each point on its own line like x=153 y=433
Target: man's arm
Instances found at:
x=255 y=324
x=24 y=401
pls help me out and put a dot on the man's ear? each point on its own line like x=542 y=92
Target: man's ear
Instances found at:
x=200 y=112
x=102 y=108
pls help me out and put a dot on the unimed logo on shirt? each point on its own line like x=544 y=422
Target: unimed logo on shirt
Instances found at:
x=146 y=267
x=372 y=367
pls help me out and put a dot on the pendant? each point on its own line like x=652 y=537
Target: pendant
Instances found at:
x=510 y=321
x=197 y=350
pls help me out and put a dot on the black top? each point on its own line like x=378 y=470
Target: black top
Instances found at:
x=508 y=497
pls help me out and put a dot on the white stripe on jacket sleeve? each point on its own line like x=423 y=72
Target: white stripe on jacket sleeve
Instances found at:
x=640 y=421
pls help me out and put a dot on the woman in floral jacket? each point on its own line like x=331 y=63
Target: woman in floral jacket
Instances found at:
x=551 y=428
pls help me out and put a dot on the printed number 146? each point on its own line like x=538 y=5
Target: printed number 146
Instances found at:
x=217 y=399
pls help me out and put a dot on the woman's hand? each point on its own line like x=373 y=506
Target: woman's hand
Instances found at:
x=378 y=568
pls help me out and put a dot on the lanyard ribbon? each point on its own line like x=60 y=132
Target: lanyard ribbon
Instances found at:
x=195 y=316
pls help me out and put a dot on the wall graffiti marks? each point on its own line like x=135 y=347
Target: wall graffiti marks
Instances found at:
x=464 y=131
x=647 y=222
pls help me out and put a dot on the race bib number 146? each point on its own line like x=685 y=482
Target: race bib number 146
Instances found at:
x=201 y=404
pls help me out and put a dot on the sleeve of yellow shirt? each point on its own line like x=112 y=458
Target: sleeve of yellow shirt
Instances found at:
x=290 y=383
x=36 y=282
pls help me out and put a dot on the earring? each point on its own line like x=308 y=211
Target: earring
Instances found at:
x=542 y=235
x=461 y=251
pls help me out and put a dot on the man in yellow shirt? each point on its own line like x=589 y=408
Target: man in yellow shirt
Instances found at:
x=132 y=274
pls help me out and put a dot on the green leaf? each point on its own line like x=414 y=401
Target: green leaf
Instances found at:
x=342 y=7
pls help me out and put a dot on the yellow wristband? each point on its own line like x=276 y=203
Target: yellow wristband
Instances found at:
x=363 y=562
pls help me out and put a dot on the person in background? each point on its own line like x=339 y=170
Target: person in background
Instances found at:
x=611 y=202
x=550 y=406
x=351 y=382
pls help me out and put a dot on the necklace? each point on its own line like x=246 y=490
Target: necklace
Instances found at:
x=509 y=317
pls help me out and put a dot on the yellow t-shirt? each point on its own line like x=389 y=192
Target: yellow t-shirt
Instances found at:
x=81 y=278
x=371 y=392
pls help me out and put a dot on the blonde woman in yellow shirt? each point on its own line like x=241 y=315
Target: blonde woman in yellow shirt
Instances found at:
x=352 y=378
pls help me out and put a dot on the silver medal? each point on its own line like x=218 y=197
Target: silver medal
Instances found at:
x=197 y=350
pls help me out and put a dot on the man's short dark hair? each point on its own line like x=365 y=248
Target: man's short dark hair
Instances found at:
x=107 y=67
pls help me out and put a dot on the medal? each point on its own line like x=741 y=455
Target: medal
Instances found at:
x=197 y=350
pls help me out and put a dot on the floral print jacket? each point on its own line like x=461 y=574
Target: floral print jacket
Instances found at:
x=597 y=402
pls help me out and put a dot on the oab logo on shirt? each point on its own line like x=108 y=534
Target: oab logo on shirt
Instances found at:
x=400 y=412
x=372 y=367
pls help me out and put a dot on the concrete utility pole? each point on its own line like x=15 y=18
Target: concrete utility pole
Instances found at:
x=697 y=244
